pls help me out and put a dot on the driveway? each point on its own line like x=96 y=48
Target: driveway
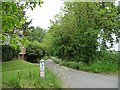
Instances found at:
x=79 y=79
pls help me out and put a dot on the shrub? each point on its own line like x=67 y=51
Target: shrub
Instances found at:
x=56 y=60
x=104 y=66
x=74 y=65
x=107 y=56
x=34 y=51
x=9 y=52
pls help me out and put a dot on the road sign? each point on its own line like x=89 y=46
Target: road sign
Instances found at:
x=42 y=68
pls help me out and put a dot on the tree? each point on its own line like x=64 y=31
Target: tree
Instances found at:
x=36 y=34
x=13 y=17
x=75 y=34
x=35 y=51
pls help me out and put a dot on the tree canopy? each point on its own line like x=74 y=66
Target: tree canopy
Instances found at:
x=76 y=30
x=14 y=19
x=36 y=34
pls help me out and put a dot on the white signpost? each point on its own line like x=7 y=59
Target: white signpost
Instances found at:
x=42 y=68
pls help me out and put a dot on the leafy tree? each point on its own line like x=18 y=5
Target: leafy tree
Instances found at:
x=47 y=43
x=75 y=33
x=100 y=16
x=36 y=34
x=13 y=17
x=35 y=51
x=9 y=52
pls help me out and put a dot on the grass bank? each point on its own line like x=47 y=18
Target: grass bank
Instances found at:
x=22 y=74
x=104 y=67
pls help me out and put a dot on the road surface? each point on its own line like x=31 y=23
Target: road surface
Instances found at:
x=79 y=79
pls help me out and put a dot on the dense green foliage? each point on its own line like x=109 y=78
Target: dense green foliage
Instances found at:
x=36 y=34
x=14 y=15
x=107 y=64
x=15 y=27
x=9 y=52
x=14 y=21
x=34 y=52
x=81 y=31
x=23 y=74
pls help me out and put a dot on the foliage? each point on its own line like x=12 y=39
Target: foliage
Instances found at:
x=15 y=40
x=24 y=42
x=74 y=34
x=13 y=14
x=103 y=66
x=36 y=34
x=9 y=52
x=35 y=51
x=47 y=43
x=98 y=66
x=14 y=19
x=111 y=57
x=23 y=74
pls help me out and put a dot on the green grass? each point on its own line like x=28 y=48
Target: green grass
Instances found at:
x=16 y=65
x=96 y=67
x=0 y=75
x=22 y=74
x=104 y=66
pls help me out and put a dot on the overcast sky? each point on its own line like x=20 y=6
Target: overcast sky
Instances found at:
x=41 y=16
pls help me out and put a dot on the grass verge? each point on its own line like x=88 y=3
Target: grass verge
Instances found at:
x=22 y=74
x=104 y=67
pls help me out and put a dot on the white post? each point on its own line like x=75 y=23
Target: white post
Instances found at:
x=42 y=68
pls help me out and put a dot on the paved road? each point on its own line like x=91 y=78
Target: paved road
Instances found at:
x=78 y=79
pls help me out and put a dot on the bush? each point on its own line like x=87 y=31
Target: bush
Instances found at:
x=98 y=66
x=34 y=52
x=9 y=52
x=56 y=60
x=104 y=66
x=109 y=56
x=73 y=64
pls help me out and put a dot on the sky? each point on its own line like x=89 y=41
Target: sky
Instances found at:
x=41 y=16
